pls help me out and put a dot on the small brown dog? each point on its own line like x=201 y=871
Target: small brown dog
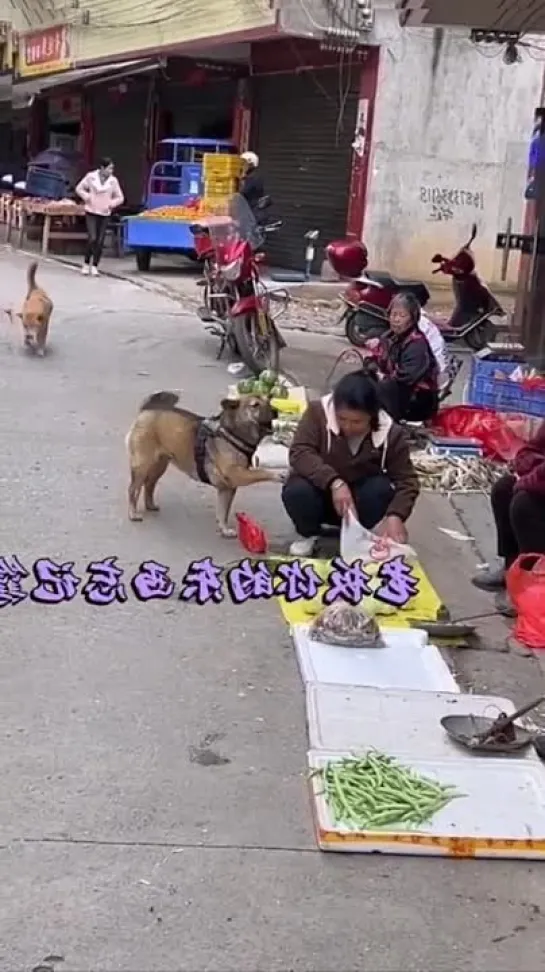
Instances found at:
x=216 y=451
x=35 y=314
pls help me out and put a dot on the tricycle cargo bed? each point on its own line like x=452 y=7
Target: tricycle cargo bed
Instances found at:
x=158 y=234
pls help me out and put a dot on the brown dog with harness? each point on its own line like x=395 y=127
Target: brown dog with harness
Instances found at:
x=216 y=451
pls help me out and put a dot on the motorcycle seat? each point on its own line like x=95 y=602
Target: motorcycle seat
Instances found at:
x=395 y=285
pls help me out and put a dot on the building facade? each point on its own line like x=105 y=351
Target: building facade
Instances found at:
x=406 y=137
x=449 y=147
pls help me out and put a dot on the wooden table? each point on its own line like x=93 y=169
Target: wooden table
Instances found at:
x=48 y=234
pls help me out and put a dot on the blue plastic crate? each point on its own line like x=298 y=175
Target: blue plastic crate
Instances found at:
x=488 y=390
x=45 y=183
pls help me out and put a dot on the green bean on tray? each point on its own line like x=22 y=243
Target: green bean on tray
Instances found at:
x=375 y=791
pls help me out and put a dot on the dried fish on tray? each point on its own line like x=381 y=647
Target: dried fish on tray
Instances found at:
x=455 y=474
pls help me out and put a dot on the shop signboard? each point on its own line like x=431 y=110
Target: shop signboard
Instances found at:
x=45 y=51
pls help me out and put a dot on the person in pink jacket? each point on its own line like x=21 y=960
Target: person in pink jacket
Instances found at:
x=101 y=194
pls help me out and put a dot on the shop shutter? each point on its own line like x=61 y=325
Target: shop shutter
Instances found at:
x=120 y=133
x=303 y=129
x=195 y=108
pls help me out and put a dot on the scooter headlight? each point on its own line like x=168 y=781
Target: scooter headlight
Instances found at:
x=232 y=271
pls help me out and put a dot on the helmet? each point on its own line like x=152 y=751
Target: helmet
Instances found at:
x=251 y=158
x=347 y=257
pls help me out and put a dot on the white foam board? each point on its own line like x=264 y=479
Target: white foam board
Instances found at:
x=501 y=815
x=393 y=720
x=407 y=661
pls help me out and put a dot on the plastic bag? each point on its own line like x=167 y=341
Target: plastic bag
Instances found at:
x=346 y=627
x=251 y=534
x=357 y=543
x=526 y=588
x=500 y=436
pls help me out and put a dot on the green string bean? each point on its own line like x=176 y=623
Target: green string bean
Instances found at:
x=375 y=792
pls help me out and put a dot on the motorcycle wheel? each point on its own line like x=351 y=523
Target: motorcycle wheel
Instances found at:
x=218 y=306
x=481 y=336
x=259 y=352
x=361 y=327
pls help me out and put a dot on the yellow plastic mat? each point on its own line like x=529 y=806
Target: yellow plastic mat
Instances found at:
x=424 y=606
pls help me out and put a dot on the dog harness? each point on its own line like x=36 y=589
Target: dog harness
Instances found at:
x=201 y=438
x=210 y=428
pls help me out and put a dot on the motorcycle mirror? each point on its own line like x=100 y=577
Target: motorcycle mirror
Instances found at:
x=472 y=237
x=437 y=258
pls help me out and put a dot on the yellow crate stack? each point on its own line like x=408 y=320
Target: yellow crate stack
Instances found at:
x=218 y=188
x=221 y=175
x=217 y=166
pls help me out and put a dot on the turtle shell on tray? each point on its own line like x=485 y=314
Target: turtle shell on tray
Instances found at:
x=347 y=627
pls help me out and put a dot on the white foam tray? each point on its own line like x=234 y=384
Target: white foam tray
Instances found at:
x=407 y=661
x=271 y=454
x=394 y=720
x=503 y=814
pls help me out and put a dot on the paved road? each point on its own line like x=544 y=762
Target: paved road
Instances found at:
x=153 y=810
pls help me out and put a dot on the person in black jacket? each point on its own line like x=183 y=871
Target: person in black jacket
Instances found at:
x=409 y=386
x=251 y=186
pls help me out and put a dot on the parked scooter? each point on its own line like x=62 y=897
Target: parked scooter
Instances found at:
x=237 y=306
x=370 y=293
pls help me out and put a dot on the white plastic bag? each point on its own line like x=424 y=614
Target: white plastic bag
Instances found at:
x=357 y=543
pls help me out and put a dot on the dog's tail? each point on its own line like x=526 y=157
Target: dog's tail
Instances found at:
x=159 y=400
x=31 y=277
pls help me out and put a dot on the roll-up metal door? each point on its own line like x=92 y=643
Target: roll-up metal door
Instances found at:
x=197 y=110
x=120 y=133
x=303 y=129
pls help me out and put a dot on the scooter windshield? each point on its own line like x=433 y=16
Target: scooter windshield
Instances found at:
x=233 y=223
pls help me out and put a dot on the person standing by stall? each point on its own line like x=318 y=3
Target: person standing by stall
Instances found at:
x=101 y=194
x=251 y=185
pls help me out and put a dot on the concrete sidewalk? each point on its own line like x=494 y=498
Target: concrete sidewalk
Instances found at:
x=154 y=813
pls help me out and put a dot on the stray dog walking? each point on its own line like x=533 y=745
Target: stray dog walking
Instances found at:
x=215 y=451
x=35 y=314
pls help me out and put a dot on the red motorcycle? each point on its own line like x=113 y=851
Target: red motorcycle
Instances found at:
x=368 y=296
x=237 y=305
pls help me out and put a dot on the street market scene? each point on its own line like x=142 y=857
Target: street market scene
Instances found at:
x=272 y=575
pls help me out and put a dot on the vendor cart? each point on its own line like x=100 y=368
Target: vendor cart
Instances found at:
x=175 y=187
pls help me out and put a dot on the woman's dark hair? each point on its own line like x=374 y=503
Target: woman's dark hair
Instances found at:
x=105 y=162
x=358 y=392
x=411 y=305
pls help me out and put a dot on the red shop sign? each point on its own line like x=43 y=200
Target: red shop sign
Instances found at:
x=45 y=51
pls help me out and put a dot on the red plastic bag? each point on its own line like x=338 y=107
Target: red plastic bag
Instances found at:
x=251 y=535
x=526 y=587
x=501 y=437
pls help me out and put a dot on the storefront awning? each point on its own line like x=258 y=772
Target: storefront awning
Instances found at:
x=525 y=16
x=25 y=90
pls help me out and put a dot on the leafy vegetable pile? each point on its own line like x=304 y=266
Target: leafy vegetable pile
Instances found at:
x=376 y=791
x=268 y=385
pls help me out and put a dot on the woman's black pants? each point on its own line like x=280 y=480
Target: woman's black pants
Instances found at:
x=519 y=519
x=309 y=507
x=96 y=231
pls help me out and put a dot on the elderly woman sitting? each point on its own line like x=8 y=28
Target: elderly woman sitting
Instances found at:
x=409 y=383
x=349 y=454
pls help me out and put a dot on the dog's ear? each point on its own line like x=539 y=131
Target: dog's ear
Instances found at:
x=230 y=404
